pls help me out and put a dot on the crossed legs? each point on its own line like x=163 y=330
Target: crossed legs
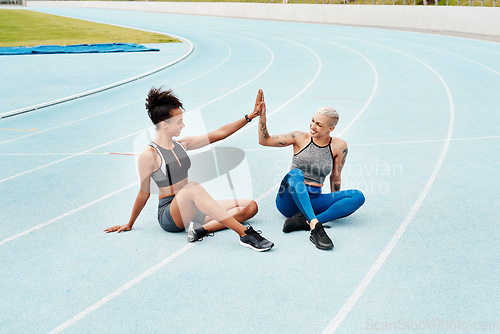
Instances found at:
x=294 y=196
x=220 y=214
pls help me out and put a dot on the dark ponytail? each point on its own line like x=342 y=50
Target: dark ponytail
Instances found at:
x=160 y=104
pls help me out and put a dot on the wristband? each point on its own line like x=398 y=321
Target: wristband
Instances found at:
x=248 y=119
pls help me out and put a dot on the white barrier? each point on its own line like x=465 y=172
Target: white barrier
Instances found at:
x=463 y=19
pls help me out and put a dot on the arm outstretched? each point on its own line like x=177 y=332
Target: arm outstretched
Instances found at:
x=194 y=142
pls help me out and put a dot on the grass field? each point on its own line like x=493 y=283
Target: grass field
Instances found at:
x=27 y=28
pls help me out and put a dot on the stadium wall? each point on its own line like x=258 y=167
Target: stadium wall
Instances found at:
x=455 y=19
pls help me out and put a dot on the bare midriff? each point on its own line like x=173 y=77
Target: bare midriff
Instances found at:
x=313 y=184
x=172 y=190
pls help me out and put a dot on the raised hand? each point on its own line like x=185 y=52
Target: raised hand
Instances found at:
x=259 y=104
x=263 y=105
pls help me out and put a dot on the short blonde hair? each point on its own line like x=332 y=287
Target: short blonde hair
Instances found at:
x=330 y=112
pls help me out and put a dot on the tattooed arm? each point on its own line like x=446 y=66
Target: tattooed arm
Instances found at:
x=338 y=163
x=266 y=139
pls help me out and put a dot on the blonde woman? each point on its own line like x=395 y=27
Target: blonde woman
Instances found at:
x=316 y=154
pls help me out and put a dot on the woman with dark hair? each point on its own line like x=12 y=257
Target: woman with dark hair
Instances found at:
x=187 y=204
x=316 y=154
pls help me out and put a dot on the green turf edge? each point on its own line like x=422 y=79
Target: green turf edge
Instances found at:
x=19 y=27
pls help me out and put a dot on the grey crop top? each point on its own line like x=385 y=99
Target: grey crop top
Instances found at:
x=171 y=170
x=316 y=162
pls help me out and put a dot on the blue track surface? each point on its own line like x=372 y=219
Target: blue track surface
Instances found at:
x=419 y=112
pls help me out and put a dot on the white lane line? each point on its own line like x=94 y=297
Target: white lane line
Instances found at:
x=269 y=191
x=127 y=104
x=134 y=281
x=374 y=90
x=444 y=51
x=65 y=154
x=273 y=148
x=70 y=157
x=426 y=141
x=110 y=86
x=121 y=290
x=248 y=82
x=39 y=226
x=391 y=143
x=362 y=286
x=69 y=123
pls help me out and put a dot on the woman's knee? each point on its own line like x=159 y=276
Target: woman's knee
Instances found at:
x=358 y=197
x=251 y=209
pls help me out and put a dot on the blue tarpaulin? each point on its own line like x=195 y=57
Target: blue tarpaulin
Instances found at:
x=78 y=48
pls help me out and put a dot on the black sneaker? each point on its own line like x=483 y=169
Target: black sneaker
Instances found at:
x=320 y=238
x=297 y=223
x=255 y=241
x=196 y=232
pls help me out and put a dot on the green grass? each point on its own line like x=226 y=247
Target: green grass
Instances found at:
x=26 y=28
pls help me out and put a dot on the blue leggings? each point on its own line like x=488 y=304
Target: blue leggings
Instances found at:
x=294 y=196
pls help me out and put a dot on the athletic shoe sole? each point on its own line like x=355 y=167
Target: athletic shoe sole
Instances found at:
x=319 y=246
x=255 y=249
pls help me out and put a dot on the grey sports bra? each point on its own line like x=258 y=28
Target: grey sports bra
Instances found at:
x=316 y=162
x=171 y=170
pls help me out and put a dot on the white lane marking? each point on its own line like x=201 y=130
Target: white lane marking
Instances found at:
x=362 y=286
x=389 y=143
x=69 y=123
x=70 y=157
x=372 y=95
x=80 y=208
x=426 y=141
x=121 y=290
x=268 y=191
x=444 y=51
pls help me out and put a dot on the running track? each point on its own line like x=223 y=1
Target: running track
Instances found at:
x=419 y=112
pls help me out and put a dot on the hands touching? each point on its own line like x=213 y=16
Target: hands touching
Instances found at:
x=260 y=106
